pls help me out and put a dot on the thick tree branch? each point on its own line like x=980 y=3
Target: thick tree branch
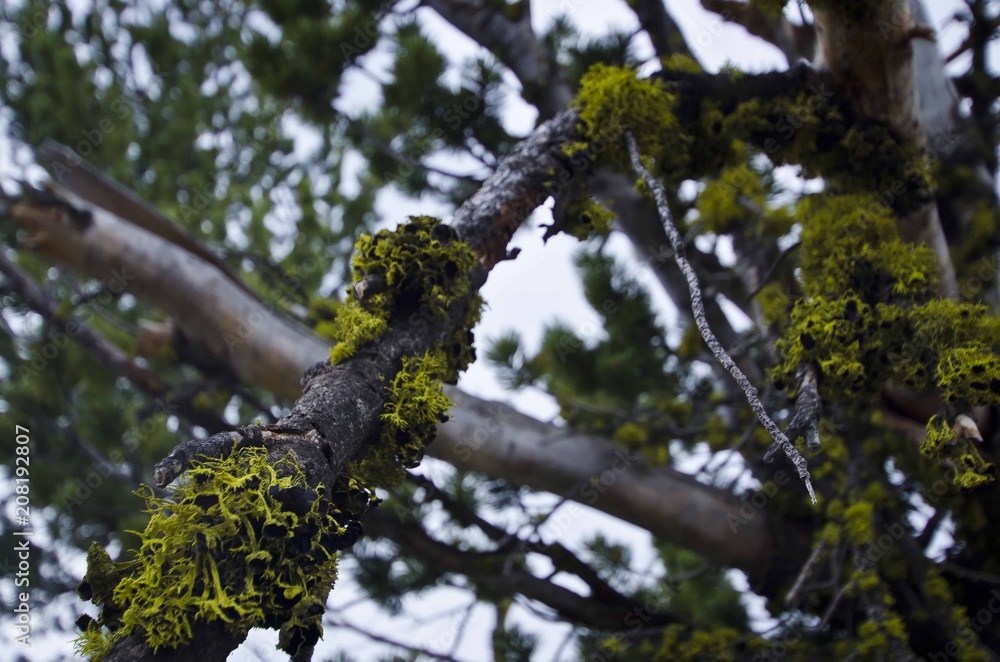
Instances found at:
x=661 y=27
x=74 y=174
x=223 y=320
x=489 y=437
x=869 y=52
x=497 y=440
x=530 y=174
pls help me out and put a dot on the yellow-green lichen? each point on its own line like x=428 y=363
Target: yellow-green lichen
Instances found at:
x=613 y=101
x=939 y=593
x=870 y=313
x=774 y=303
x=421 y=266
x=241 y=541
x=943 y=443
x=681 y=643
x=858 y=522
x=355 y=326
x=680 y=62
x=732 y=201
x=416 y=404
x=850 y=242
x=631 y=435
x=422 y=271
x=812 y=130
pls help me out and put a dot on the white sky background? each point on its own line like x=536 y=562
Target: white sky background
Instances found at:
x=537 y=289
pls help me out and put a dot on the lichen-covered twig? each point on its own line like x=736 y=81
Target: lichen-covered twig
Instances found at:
x=808 y=409
x=698 y=311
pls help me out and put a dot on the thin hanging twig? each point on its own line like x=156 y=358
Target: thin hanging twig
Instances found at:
x=698 y=310
x=793 y=595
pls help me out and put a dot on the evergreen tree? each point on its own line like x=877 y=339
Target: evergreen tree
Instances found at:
x=202 y=290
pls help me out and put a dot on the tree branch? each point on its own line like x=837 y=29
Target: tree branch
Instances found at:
x=487 y=570
x=870 y=55
x=661 y=27
x=698 y=309
x=794 y=41
x=513 y=41
x=482 y=436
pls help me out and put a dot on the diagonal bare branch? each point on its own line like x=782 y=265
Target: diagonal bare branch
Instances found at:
x=698 y=308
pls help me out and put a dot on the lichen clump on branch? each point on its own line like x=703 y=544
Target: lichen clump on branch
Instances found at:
x=240 y=541
x=870 y=312
x=423 y=269
x=613 y=101
x=249 y=543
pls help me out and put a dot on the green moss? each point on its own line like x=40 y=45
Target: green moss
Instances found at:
x=586 y=217
x=850 y=242
x=969 y=373
x=613 y=101
x=939 y=593
x=355 y=326
x=680 y=62
x=812 y=130
x=631 y=435
x=422 y=269
x=870 y=313
x=98 y=586
x=942 y=443
x=683 y=644
x=94 y=644
x=858 y=522
x=733 y=200
x=830 y=462
x=774 y=304
x=241 y=541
